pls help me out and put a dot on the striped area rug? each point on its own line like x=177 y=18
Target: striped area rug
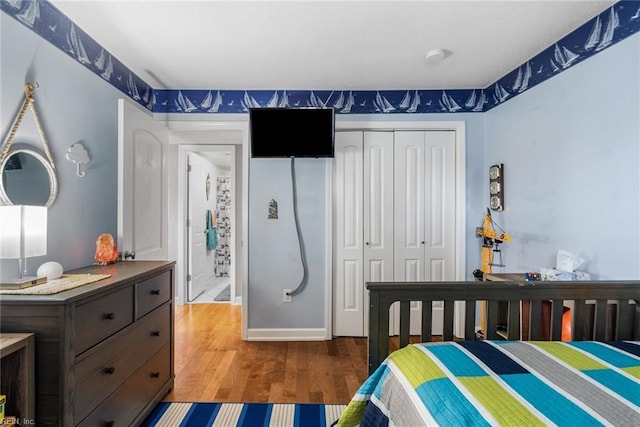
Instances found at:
x=173 y=414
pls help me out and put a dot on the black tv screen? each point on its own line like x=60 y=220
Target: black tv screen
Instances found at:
x=291 y=132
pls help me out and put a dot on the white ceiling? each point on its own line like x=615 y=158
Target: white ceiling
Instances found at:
x=317 y=45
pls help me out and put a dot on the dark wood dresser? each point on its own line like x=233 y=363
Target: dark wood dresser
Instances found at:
x=103 y=351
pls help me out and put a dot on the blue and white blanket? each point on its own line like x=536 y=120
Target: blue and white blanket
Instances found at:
x=480 y=383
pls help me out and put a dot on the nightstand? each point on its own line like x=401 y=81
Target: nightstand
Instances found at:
x=17 y=376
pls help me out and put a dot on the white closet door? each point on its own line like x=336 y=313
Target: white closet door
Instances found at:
x=378 y=211
x=394 y=219
x=440 y=215
x=409 y=206
x=348 y=294
x=440 y=206
x=425 y=214
x=409 y=215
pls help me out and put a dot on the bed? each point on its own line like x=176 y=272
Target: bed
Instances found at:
x=594 y=379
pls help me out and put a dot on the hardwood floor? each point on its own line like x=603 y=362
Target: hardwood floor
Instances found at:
x=213 y=364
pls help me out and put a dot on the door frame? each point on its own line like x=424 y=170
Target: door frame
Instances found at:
x=183 y=240
x=200 y=132
x=190 y=158
x=344 y=124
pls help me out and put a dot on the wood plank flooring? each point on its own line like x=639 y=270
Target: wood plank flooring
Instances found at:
x=213 y=364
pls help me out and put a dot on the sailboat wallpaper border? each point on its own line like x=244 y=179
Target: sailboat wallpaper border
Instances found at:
x=613 y=25
x=48 y=22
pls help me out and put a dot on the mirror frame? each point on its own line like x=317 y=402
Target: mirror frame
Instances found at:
x=53 y=181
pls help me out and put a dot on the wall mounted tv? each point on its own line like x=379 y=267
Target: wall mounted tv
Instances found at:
x=292 y=132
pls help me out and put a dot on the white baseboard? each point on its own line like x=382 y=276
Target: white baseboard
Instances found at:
x=285 y=334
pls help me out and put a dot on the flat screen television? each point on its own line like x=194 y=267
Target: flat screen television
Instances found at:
x=292 y=132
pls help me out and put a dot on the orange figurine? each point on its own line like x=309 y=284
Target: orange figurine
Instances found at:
x=106 y=250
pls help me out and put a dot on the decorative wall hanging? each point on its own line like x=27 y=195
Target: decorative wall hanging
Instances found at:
x=208 y=186
x=28 y=102
x=272 y=209
x=496 y=187
x=27 y=164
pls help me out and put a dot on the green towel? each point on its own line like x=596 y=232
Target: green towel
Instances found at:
x=212 y=233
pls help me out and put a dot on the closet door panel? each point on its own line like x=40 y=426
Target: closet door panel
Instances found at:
x=378 y=211
x=439 y=255
x=409 y=205
x=440 y=205
x=348 y=296
x=409 y=174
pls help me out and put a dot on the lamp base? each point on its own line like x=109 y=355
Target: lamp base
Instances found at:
x=25 y=282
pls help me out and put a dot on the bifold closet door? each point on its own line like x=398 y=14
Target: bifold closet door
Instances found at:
x=363 y=224
x=348 y=292
x=378 y=211
x=424 y=214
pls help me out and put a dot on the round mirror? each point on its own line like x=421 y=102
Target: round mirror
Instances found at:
x=27 y=179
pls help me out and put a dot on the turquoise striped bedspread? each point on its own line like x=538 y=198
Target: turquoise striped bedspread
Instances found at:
x=509 y=383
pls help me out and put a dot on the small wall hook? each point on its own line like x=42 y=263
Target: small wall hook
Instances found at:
x=78 y=155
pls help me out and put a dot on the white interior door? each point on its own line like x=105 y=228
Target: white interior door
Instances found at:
x=348 y=295
x=142 y=183
x=378 y=211
x=201 y=261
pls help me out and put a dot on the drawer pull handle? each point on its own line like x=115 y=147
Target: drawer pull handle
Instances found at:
x=155 y=374
x=155 y=291
x=109 y=370
x=155 y=333
x=109 y=316
x=109 y=423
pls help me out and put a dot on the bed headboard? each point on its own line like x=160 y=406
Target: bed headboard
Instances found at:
x=602 y=310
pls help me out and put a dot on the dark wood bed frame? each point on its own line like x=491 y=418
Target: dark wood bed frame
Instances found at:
x=602 y=310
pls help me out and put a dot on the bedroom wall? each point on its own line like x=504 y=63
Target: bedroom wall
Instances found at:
x=76 y=105
x=73 y=105
x=274 y=257
x=571 y=149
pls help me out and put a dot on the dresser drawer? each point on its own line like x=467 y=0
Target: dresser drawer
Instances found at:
x=125 y=404
x=152 y=292
x=103 y=368
x=101 y=317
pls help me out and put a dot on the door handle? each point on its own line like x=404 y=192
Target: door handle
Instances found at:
x=128 y=255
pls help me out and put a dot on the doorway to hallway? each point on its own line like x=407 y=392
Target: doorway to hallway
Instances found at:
x=208 y=232
x=209 y=220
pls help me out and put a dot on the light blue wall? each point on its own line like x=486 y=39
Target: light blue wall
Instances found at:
x=73 y=105
x=571 y=149
x=274 y=257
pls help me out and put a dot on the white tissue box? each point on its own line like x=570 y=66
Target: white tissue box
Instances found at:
x=553 y=274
